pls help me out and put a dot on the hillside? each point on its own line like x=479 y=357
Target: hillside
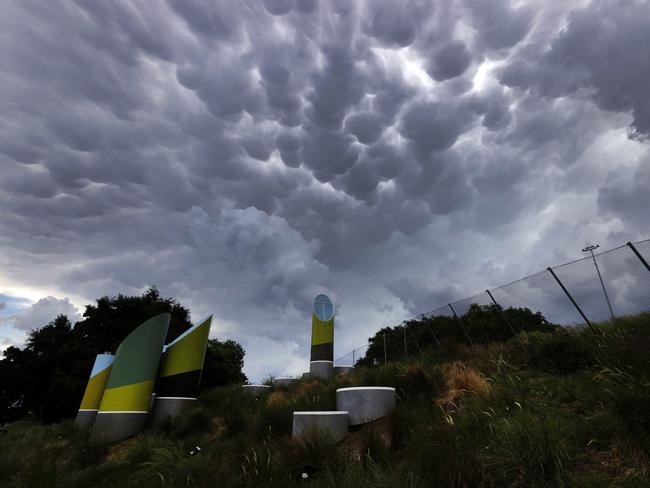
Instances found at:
x=555 y=408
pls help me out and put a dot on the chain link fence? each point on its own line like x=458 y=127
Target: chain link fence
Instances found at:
x=597 y=288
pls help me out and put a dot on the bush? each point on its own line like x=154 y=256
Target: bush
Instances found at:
x=564 y=352
x=527 y=450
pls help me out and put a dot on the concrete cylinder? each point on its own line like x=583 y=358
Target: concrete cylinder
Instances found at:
x=331 y=422
x=255 y=390
x=321 y=369
x=366 y=403
x=283 y=380
x=340 y=370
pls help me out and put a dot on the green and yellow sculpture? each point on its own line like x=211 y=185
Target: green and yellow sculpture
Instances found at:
x=127 y=397
x=94 y=390
x=322 y=338
x=179 y=379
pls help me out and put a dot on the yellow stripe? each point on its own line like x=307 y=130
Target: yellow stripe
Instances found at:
x=188 y=353
x=128 y=398
x=94 y=390
x=321 y=332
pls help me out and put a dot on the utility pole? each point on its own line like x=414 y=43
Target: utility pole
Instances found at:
x=602 y=284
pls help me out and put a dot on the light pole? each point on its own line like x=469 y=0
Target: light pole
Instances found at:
x=591 y=250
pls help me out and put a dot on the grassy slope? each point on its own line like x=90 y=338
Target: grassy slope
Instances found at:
x=564 y=409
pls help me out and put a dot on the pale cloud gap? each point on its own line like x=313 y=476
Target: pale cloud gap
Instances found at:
x=244 y=156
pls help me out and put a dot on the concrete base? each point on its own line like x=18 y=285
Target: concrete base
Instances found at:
x=339 y=370
x=333 y=423
x=255 y=390
x=85 y=418
x=366 y=403
x=321 y=369
x=166 y=407
x=115 y=426
x=283 y=381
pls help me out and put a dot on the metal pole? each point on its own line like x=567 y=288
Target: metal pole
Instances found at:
x=461 y=324
x=602 y=284
x=434 y=335
x=572 y=300
x=405 y=351
x=638 y=255
x=503 y=315
x=353 y=357
x=385 y=355
x=415 y=340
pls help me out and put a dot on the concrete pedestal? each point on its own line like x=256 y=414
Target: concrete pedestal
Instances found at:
x=321 y=369
x=333 y=423
x=165 y=407
x=256 y=390
x=339 y=370
x=115 y=426
x=85 y=418
x=366 y=403
x=283 y=380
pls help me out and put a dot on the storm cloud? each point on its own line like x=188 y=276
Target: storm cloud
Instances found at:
x=245 y=156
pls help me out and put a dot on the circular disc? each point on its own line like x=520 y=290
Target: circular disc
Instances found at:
x=323 y=308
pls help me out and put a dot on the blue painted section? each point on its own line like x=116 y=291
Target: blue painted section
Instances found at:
x=323 y=307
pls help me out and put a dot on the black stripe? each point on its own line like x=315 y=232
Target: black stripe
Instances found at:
x=322 y=352
x=179 y=385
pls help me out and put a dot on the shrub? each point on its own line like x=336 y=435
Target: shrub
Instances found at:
x=419 y=383
x=527 y=450
x=564 y=352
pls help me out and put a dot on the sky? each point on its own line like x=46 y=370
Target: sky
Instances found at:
x=244 y=156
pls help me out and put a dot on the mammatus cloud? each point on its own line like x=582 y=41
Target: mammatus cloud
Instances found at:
x=258 y=153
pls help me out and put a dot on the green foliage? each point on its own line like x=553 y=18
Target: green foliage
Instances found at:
x=483 y=323
x=565 y=351
x=223 y=364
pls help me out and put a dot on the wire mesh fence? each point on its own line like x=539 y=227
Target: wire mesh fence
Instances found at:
x=597 y=288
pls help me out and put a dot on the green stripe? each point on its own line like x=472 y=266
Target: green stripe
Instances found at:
x=138 y=356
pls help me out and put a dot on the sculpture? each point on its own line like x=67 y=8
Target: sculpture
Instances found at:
x=179 y=379
x=322 y=338
x=127 y=397
x=94 y=390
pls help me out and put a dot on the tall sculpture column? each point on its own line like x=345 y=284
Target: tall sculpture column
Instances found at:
x=94 y=390
x=321 y=362
x=179 y=379
x=127 y=397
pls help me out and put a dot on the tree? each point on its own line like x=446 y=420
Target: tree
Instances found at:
x=223 y=364
x=483 y=323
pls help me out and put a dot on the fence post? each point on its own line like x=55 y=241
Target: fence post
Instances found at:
x=353 y=357
x=406 y=354
x=415 y=340
x=434 y=335
x=385 y=355
x=461 y=324
x=638 y=255
x=503 y=315
x=572 y=300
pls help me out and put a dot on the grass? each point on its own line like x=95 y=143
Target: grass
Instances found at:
x=566 y=408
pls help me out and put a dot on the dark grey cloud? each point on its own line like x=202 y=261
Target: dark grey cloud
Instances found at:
x=450 y=61
x=245 y=156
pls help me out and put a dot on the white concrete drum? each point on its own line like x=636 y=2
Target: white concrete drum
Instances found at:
x=256 y=390
x=366 y=403
x=334 y=423
x=283 y=380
